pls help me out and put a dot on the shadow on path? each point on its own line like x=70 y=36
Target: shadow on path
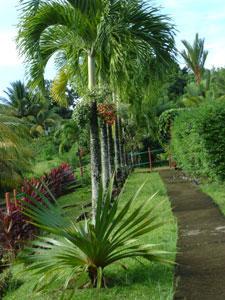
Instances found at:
x=200 y=274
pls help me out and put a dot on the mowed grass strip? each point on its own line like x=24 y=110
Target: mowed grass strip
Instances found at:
x=217 y=192
x=141 y=281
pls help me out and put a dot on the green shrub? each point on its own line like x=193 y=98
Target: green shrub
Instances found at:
x=198 y=141
x=44 y=148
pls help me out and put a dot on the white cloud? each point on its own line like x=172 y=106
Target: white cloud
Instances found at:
x=216 y=16
x=216 y=57
x=177 y=4
x=8 y=52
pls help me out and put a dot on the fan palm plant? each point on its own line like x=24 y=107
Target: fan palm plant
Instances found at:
x=89 y=34
x=75 y=248
x=195 y=57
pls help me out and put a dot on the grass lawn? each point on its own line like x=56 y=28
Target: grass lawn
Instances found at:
x=140 y=281
x=217 y=192
x=42 y=167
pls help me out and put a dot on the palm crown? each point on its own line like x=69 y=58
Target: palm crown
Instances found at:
x=116 y=32
x=195 y=57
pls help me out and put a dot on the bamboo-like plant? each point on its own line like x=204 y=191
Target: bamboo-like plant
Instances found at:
x=75 y=248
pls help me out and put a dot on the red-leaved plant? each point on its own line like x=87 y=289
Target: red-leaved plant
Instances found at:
x=14 y=226
x=59 y=181
x=14 y=230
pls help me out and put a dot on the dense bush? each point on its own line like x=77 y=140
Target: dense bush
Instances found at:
x=44 y=148
x=198 y=140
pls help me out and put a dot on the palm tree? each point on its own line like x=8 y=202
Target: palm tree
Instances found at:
x=111 y=150
x=14 y=152
x=43 y=120
x=93 y=33
x=195 y=57
x=17 y=98
x=105 y=156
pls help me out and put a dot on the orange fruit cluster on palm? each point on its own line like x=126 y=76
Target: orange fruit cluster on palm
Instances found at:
x=107 y=112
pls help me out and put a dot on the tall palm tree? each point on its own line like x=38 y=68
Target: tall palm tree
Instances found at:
x=93 y=33
x=195 y=57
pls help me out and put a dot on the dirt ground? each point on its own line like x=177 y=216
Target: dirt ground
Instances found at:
x=200 y=274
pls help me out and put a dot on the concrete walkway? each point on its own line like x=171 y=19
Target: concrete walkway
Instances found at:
x=200 y=274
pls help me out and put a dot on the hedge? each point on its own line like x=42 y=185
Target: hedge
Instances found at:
x=198 y=140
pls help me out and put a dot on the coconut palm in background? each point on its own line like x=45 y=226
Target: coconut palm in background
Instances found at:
x=109 y=35
x=30 y=107
x=42 y=122
x=195 y=57
x=18 y=98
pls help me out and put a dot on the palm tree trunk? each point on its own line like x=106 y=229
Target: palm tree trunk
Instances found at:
x=117 y=145
x=117 y=150
x=125 y=162
x=105 y=156
x=121 y=144
x=94 y=138
x=91 y=71
x=111 y=150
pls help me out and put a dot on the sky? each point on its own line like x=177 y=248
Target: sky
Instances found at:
x=207 y=17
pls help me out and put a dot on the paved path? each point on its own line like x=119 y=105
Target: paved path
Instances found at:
x=200 y=274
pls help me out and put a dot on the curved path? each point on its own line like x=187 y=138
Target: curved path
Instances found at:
x=200 y=274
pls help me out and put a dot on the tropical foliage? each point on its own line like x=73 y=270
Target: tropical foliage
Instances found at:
x=14 y=232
